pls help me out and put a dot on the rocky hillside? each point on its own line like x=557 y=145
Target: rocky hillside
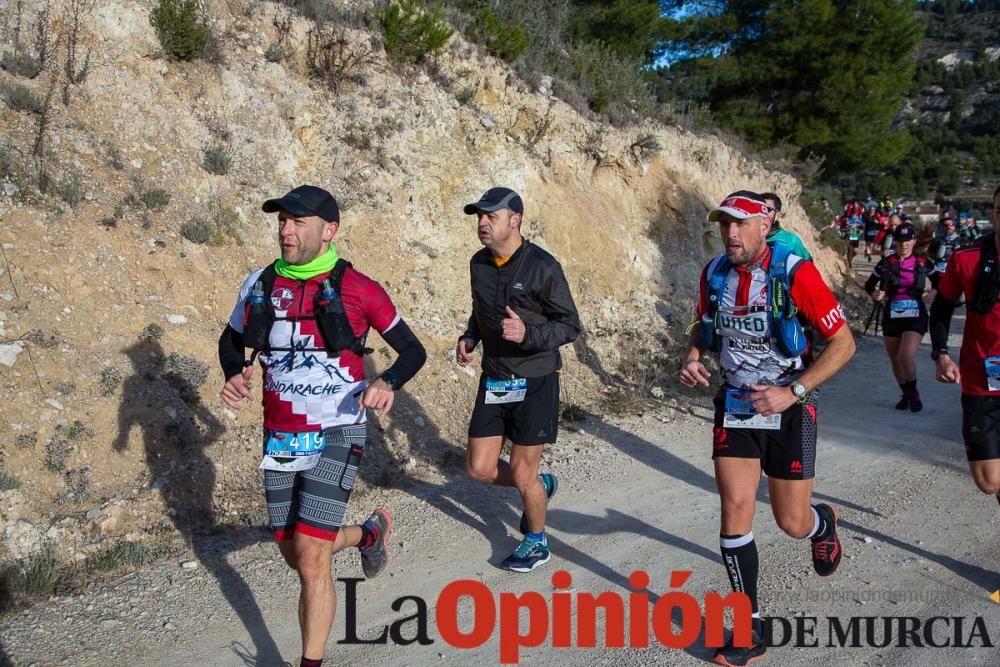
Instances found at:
x=111 y=301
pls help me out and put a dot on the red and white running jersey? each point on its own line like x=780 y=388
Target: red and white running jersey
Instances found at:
x=748 y=353
x=307 y=389
x=982 y=332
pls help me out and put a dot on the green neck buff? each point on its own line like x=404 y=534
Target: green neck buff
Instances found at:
x=322 y=264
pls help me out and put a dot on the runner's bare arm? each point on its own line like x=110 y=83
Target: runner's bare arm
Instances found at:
x=838 y=352
x=692 y=370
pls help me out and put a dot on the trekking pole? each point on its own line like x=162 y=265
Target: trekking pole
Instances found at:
x=875 y=316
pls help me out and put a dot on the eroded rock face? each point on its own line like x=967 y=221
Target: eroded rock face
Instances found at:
x=403 y=151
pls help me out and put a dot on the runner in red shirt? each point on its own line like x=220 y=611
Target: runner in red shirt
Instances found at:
x=306 y=316
x=765 y=417
x=974 y=272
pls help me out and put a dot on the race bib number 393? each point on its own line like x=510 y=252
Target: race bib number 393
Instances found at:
x=506 y=391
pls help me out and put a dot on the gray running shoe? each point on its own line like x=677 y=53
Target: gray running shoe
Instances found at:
x=376 y=557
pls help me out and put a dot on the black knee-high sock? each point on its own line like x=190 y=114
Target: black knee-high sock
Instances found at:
x=739 y=555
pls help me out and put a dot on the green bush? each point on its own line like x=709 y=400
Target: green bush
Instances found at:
x=411 y=32
x=111 y=377
x=124 y=554
x=274 y=53
x=8 y=482
x=70 y=189
x=612 y=85
x=57 y=451
x=34 y=576
x=181 y=28
x=155 y=199
x=217 y=159
x=502 y=39
x=20 y=98
x=217 y=224
x=151 y=333
x=182 y=369
x=198 y=230
x=21 y=64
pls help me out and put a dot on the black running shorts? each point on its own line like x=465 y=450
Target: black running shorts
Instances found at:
x=785 y=453
x=981 y=427
x=533 y=421
x=313 y=501
x=893 y=327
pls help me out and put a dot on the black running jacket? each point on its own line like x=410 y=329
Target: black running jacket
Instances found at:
x=532 y=283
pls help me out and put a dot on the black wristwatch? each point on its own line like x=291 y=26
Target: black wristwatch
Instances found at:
x=935 y=354
x=390 y=379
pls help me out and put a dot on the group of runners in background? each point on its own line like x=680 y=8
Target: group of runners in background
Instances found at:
x=867 y=226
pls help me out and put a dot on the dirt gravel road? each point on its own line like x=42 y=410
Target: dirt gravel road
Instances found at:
x=636 y=494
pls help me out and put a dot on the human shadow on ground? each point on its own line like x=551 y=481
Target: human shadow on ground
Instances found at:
x=160 y=398
x=487 y=509
x=495 y=512
x=4 y=658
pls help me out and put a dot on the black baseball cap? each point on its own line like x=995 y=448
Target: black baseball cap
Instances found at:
x=306 y=200
x=905 y=232
x=495 y=199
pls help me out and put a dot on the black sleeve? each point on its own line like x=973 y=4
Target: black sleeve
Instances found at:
x=563 y=324
x=412 y=354
x=940 y=321
x=933 y=274
x=875 y=277
x=231 y=355
x=472 y=330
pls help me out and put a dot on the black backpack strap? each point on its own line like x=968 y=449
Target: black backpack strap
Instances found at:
x=258 y=324
x=337 y=273
x=988 y=282
x=267 y=278
x=920 y=277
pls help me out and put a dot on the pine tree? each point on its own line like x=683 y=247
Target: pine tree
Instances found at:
x=826 y=75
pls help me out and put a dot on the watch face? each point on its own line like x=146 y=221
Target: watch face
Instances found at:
x=799 y=390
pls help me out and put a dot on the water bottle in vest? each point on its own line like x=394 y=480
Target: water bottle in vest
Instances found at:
x=331 y=319
x=257 y=327
x=327 y=295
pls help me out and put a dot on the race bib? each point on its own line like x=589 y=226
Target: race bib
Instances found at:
x=854 y=235
x=904 y=308
x=292 y=452
x=506 y=391
x=740 y=413
x=993 y=373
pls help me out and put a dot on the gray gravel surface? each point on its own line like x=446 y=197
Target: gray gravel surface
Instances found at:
x=636 y=493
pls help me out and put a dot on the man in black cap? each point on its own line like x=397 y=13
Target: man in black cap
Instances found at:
x=522 y=312
x=306 y=317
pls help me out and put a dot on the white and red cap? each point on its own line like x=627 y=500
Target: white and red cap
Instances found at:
x=739 y=207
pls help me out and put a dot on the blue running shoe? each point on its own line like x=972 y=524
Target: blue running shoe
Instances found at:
x=528 y=555
x=551 y=484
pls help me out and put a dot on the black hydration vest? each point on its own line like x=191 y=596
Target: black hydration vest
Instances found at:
x=988 y=283
x=328 y=311
x=895 y=265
